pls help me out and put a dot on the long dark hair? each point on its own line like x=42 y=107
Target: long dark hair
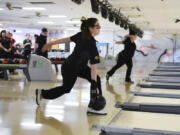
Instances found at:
x=3 y=31
x=86 y=23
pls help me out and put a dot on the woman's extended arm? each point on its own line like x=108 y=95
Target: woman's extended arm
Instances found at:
x=59 y=41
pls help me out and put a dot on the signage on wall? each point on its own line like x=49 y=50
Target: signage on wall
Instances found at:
x=56 y=46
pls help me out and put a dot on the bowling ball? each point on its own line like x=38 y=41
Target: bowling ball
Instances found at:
x=10 y=62
x=97 y=103
x=16 y=61
x=4 y=61
x=22 y=61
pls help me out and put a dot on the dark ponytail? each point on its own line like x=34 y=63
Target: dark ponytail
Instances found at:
x=86 y=23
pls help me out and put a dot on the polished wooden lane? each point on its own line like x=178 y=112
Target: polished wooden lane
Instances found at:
x=144 y=120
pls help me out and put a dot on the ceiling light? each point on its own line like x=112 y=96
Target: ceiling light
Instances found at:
x=122 y=23
x=46 y=22
x=117 y=21
x=104 y=12
x=95 y=6
x=73 y=22
x=57 y=16
x=1 y=9
x=126 y=26
x=111 y=17
x=33 y=8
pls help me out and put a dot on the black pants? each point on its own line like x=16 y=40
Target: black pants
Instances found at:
x=120 y=62
x=70 y=74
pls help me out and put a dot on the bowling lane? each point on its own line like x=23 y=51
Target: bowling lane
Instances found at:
x=156 y=121
x=163 y=91
x=140 y=99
